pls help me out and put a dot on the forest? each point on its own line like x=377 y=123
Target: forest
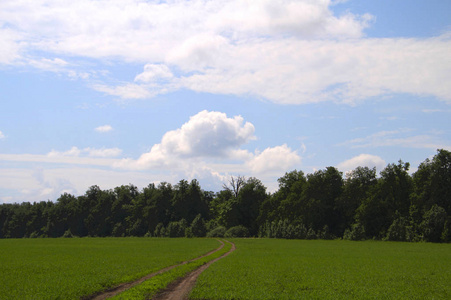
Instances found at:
x=393 y=206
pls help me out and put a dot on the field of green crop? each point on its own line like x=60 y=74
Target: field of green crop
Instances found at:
x=257 y=269
x=72 y=268
x=300 y=269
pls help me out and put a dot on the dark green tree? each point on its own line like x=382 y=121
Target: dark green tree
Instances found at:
x=323 y=188
x=432 y=182
x=387 y=200
x=357 y=186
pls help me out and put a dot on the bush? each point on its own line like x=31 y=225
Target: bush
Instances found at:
x=433 y=224
x=356 y=233
x=198 y=228
x=397 y=230
x=189 y=232
x=325 y=234
x=34 y=235
x=282 y=229
x=311 y=234
x=68 y=234
x=159 y=231
x=176 y=229
x=217 y=232
x=212 y=224
x=237 y=231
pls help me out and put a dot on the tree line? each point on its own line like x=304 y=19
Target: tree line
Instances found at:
x=393 y=206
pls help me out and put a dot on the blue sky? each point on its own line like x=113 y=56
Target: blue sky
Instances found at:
x=116 y=92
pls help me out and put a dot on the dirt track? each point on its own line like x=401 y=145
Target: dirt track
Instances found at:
x=181 y=288
x=125 y=286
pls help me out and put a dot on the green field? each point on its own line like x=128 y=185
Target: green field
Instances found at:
x=301 y=269
x=258 y=269
x=72 y=268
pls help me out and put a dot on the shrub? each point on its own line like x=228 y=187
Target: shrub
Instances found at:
x=325 y=234
x=68 y=234
x=397 y=230
x=189 y=232
x=433 y=224
x=356 y=233
x=311 y=234
x=237 y=231
x=160 y=231
x=176 y=229
x=217 y=232
x=198 y=226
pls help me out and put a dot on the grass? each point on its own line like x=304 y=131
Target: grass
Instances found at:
x=151 y=287
x=72 y=268
x=299 y=269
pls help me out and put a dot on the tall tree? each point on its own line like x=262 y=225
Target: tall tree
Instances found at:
x=432 y=182
x=250 y=197
x=357 y=185
x=387 y=200
x=322 y=189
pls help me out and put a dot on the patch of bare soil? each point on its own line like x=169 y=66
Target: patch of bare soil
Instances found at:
x=181 y=288
x=125 y=286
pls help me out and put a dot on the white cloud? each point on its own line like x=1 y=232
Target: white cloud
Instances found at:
x=104 y=152
x=104 y=128
x=92 y=152
x=153 y=72
x=402 y=138
x=10 y=49
x=125 y=91
x=280 y=158
x=55 y=65
x=2 y=136
x=286 y=51
x=362 y=160
x=293 y=71
x=74 y=151
x=206 y=134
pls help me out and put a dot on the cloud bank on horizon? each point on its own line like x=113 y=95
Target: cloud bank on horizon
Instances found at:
x=286 y=52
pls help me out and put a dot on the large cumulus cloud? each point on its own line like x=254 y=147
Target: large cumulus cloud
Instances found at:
x=211 y=142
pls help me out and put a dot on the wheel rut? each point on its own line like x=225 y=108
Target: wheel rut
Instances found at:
x=125 y=286
x=181 y=288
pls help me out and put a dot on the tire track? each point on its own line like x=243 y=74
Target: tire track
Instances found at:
x=125 y=286
x=181 y=288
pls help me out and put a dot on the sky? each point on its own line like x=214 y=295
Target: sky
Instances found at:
x=121 y=92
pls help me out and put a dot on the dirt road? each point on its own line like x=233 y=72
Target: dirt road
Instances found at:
x=125 y=286
x=181 y=288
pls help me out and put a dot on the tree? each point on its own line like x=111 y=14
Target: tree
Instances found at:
x=250 y=197
x=432 y=182
x=398 y=230
x=285 y=203
x=234 y=185
x=356 y=187
x=197 y=227
x=177 y=229
x=433 y=225
x=318 y=198
x=386 y=200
